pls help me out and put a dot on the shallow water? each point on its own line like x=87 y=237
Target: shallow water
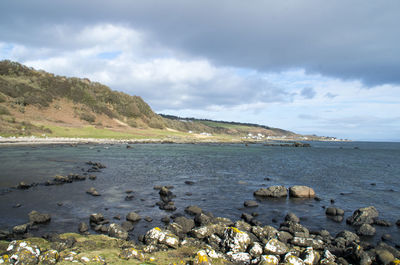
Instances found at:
x=224 y=175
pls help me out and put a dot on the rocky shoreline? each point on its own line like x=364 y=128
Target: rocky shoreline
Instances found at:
x=198 y=237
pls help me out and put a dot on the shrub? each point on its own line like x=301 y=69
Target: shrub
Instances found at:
x=4 y=111
x=87 y=117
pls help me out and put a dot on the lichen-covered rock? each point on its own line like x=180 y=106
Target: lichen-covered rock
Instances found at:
x=186 y=223
x=115 y=230
x=239 y=257
x=243 y=226
x=71 y=256
x=201 y=258
x=365 y=215
x=272 y=191
x=275 y=247
x=170 y=240
x=310 y=256
x=299 y=191
x=49 y=257
x=23 y=252
x=156 y=235
x=347 y=236
x=206 y=231
x=328 y=258
x=269 y=260
x=235 y=240
x=291 y=259
x=131 y=253
x=255 y=249
x=308 y=242
x=39 y=218
x=133 y=217
x=264 y=233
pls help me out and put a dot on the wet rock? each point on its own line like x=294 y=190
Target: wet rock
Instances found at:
x=202 y=219
x=291 y=217
x=333 y=211
x=133 y=217
x=115 y=230
x=272 y=191
x=170 y=206
x=295 y=229
x=361 y=216
x=96 y=218
x=4 y=234
x=127 y=225
x=235 y=240
x=336 y=218
x=384 y=257
x=301 y=192
x=23 y=186
x=148 y=219
x=347 y=236
x=275 y=247
x=186 y=223
x=250 y=204
x=366 y=230
x=129 y=197
x=17 y=205
x=62 y=179
x=92 y=191
x=398 y=222
x=189 y=182
x=39 y=218
x=20 y=229
x=381 y=222
x=269 y=260
x=193 y=210
x=92 y=177
x=247 y=217
x=165 y=219
x=386 y=237
x=83 y=227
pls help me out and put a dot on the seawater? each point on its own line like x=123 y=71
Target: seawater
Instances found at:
x=352 y=174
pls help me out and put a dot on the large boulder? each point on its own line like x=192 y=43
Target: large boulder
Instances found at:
x=272 y=191
x=361 y=216
x=158 y=236
x=275 y=247
x=235 y=240
x=301 y=192
x=39 y=218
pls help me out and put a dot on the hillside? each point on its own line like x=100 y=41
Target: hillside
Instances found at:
x=34 y=102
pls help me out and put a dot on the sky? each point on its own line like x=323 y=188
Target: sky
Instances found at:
x=330 y=68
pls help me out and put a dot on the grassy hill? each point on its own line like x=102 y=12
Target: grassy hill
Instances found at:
x=34 y=102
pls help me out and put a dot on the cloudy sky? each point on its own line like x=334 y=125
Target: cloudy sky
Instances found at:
x=313 y=67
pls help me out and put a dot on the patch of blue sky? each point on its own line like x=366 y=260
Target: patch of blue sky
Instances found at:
x=5 y=50
x=109 y=55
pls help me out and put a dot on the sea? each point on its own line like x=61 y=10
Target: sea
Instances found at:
x=347 y=175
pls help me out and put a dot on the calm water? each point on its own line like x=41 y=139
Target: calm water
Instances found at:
x=224 y=176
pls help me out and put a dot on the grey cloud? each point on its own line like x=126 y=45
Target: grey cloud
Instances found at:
x=348 y=40
x=308 y=93
x=330 y=95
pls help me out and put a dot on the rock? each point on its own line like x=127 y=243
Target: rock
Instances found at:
x=127 y=225
x=307 y=242
x=186 y=223
x=292 y=218
x=23 y=252
x=39 y=218
x=17 y=205
x=301 y=192
x=23 y=186
x=92 y=177
x=398 y=222
x=348 y=237
x=148 y=219
x=205 y=231
x=20 y=229
x=336 y=218
x=284 y=236
x=239 y=257
x=170 y=206
x=235 y=240
x=62 y=179
x=92 y=191
x=193 y=210
x=381 y=222
x=291 y=259
x=49 y=257
x=384 y=256
x=115 y=230
x=386 y=237
x=189 y=182
x=255 y=249
x=250 y=203
x=333 y=211
x=272 y=191
x=243 y=226
x=366 y=230
x=133 y=217
x=295 y=229
x=202 y=219
x=275 y=247
x=83 y=227
x=201 y=258
x=310 y=256
x=96 y=218
x=269 y=260
x=165 y=219
x=129 y=197
x=247 y=217
x=328 y=258
x=264 y=233
x=131 y=253
x=156 y=235
x=361 y=216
